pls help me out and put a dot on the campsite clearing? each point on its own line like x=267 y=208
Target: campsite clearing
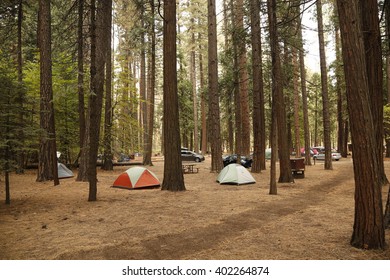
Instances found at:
x=309 y=219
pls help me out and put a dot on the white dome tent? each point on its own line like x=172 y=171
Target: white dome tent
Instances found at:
x=235 y=174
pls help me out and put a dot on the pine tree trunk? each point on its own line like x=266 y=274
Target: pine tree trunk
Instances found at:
x=214 y=117
x=80 y=75
x=387 y=14
x=230 y=37
x=20 y=100
x=324 y=87
x=194 y=93
x=147 y=160
x=7 y=154
x=302 y=69
x=82 y=174
x=243 y=80
x=173 y=174
x=203 y=104
x=368 y=229
x=107 y=157
x=258 y=91
x=340 y=98
x=47 y=158
x=278 y=99
x=142 y=85
x=96 y=96
x=373 y=51
x=297 y=133
x=273 y=189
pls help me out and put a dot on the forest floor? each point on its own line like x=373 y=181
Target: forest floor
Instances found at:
x=309 y=219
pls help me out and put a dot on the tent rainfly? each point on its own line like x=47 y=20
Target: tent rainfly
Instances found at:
x=63 y=171
x=136 y=177
x=235 y=174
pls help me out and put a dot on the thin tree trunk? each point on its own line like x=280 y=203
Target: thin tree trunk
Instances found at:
x=324 y=86
x=7 y=155
x=236 y=89
x=306 y=126
x=214 y=117
x=229 y=38
x=96 y=96
x=20 y=100
x=258 y=91
x=194 y=93
x=340 y=98
x=82 y=174
x=80 y=75
x=273 y=189
x=107 y=157
x=142 y=84
x=152 y=80
x=297 y=133
x=203 y=99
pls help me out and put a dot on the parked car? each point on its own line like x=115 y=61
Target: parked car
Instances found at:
x=191 y=156
x=318 y=149
x=229 y=159
x=321 y=155
x=123 y=158
x=312 y=152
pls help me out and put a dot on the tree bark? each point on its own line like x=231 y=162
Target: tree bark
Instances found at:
x=47 y=158
x=368 y=229
x=82 y=174
x=147 y=160
x=20 y=100
x=258 y=91
x=387 y=14
x=80 y=74
x=297 y=142
x=243 y=80
x=214 y=117
x=96 y=96
x=142 y=83
x=107 y=156
x=302 y=69
x=340 y=98
x=273 y=188
x=278 y=99
x=373 y=50
x=173 y=174
x=324 y=87
x=203 y=105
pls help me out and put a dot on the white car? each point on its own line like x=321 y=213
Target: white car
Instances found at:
x=321 y=156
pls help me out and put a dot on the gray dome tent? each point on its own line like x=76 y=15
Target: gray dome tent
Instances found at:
x=63 y=171
x=235 y=174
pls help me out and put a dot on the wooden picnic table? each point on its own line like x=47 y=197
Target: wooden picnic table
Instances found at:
x=189 y=168
x=298 y=167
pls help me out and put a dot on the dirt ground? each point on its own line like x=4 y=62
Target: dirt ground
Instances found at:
x=309 y=219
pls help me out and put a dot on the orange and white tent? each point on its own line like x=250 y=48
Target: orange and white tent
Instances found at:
x=136 y=177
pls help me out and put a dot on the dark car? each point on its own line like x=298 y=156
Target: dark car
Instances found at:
x=123 y=158
x=191 y=156
x=229 y=159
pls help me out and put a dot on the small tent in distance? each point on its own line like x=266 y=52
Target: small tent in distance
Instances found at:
x=63 y=171
x=136 y=177
x=235 y=174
